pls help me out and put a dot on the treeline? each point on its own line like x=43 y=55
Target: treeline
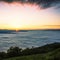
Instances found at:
x=16 y=51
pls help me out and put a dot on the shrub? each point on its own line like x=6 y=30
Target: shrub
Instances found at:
x=14 y=51
x=3 y=55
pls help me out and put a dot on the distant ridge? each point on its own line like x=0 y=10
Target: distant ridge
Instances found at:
x=11 y=31
x=6 y=31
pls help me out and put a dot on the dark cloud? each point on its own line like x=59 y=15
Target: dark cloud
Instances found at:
x=42 y=3
x=45 y=3
x=7 y=0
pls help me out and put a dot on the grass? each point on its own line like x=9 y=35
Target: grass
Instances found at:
x=31 y=57
x=53 y=55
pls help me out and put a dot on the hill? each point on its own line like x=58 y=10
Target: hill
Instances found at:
x=46 y=52
x=54 y=55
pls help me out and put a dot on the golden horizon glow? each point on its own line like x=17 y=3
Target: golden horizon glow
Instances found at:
x=26 y=16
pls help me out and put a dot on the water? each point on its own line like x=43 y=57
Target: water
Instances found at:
x=28 y=39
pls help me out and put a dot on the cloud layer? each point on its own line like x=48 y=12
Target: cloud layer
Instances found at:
x=43 y=3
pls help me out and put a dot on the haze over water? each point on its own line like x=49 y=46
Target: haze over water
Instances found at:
x=34 y=38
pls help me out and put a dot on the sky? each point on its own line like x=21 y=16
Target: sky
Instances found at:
x=29 y=14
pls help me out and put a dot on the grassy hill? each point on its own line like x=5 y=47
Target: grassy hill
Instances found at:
x=46 y=52
x=53 y=55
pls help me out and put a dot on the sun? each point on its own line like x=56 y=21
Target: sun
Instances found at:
x=16 y=26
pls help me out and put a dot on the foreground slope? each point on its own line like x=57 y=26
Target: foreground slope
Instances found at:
x=51 y=54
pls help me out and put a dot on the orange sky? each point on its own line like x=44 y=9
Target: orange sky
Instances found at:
x=27 y=16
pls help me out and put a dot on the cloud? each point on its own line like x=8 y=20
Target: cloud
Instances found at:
x=43 y=3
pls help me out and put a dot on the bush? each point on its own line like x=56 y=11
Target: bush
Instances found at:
x=14 y=51
x=3 y=55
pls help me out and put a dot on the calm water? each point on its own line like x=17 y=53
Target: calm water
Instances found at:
x=28 y=39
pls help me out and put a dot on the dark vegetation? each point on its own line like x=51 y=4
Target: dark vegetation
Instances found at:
x=53 y=55
x=49 y=49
